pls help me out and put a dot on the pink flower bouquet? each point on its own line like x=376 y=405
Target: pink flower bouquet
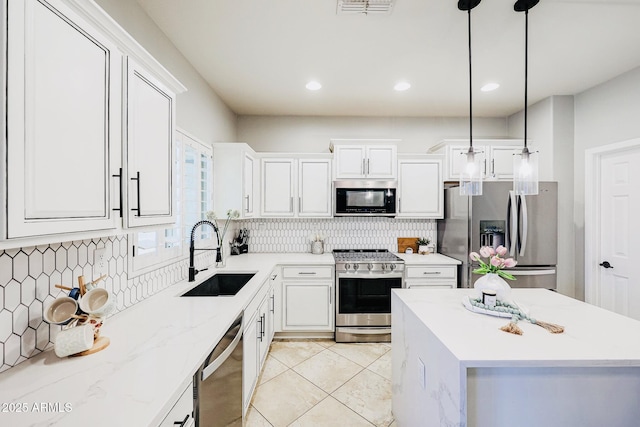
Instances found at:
x=494 y=261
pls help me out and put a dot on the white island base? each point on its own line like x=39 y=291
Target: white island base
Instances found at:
x=452 y=367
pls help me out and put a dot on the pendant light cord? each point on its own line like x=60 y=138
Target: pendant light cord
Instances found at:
x=470 y=87
x=526 y=70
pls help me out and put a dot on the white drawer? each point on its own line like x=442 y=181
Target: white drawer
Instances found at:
x=430 y=272
x=318 y=272
x=180 y=411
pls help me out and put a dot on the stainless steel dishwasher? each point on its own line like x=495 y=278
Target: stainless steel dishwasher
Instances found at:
x=217 y=386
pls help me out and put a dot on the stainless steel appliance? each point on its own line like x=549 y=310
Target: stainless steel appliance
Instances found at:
x=526 y=225
x=364 y=198
x=364 y=279
x=217 y=386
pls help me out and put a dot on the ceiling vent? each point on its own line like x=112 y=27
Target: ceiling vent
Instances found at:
x=349 y=7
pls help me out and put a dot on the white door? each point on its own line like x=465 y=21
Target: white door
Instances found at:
x=277 y=187
x=457 y=160
x=501 y=164
x=420 y=188
x=381 y=161
x=62 y=130
x=613 y=279
x=150 y=133
x=248 y=194
x=314 y=187
x=307 y=306
x=350 y=161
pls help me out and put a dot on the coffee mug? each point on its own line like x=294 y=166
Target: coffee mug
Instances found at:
x=60 y=311
x=73 y=340
x=98 y=302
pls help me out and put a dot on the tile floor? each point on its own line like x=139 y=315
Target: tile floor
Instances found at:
x=322 y=383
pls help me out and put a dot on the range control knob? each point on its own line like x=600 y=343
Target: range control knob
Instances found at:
x=384 y=267
x=356 y=267
x=392 y=267
x=347 y=266
x=370 y=266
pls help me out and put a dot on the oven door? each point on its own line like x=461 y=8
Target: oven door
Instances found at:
x=365 y=299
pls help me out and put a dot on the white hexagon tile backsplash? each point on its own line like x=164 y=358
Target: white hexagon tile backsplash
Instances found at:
x=28 y=275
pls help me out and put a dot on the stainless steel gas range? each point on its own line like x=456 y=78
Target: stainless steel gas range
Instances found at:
x=364 y=279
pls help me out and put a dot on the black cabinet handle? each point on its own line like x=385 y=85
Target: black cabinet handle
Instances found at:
x=137 y=179
x=606 y=264
x=119 y=176
x=181 y=423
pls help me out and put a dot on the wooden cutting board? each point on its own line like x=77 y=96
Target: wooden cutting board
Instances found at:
x=407 y=242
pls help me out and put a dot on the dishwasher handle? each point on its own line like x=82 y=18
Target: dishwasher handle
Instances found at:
x=218 y=361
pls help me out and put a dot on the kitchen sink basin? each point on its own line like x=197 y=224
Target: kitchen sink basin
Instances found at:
x=221 y=284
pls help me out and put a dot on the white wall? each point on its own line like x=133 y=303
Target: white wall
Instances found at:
x=605 y=114
x=312 y=134
x=199 y=110
x=550 y=131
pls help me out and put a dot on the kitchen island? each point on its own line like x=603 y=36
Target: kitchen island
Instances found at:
x=453 y=367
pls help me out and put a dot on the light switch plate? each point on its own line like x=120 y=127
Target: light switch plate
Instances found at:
x=422 y=375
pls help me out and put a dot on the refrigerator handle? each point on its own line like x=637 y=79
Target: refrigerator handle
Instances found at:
x=510 y=232
x=525 y=228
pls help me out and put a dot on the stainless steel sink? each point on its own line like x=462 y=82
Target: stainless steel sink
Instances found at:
x=221 y=284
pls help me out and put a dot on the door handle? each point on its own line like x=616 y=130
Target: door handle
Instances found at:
x=119 y=176
x=606 y=264
x=137 y=179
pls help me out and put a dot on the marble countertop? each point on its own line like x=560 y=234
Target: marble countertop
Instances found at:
x=156 y=347
x=431 y=259
x=592 y=336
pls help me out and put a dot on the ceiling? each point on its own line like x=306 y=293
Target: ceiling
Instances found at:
x=259 y=54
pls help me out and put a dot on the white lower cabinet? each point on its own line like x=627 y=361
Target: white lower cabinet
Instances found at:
x=431 y=276
x=182 y=412
x=307 y=298
x=257 y=336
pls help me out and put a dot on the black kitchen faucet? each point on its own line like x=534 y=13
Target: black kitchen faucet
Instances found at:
x=192 y=249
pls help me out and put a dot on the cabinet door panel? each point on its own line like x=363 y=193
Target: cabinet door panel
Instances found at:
x=350 y=161
x=420 y=189
x=150 y=119
x=307 y=306
x=502 y=162
x=314 y=194
x=62 y=122
x=457 y=160
x=277 y=187
x=250 y=350
x=247 y=197
x=381 y=162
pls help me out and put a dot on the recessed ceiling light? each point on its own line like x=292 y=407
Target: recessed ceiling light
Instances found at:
x=313 y=85
x=489 y=87
x=400 y=86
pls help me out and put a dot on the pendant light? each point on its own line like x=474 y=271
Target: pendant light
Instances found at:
x=471 y=175
x=525 y=164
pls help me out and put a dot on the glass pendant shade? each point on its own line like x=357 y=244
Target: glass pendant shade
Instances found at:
x=525 y=172
x=471 y=175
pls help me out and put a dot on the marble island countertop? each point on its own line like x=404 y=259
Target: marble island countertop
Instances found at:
x=592 y=336
x=455 y=367
x=156 y=347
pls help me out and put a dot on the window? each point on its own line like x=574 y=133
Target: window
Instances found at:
x=152 y=249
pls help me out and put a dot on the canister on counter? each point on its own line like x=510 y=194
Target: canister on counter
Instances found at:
x=489 y=297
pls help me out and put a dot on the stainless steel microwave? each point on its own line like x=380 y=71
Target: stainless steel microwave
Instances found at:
x=364 y=198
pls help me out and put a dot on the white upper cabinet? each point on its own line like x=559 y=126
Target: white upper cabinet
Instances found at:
x=296 y=186
x=235 y=179
x=63 y=106
x=420 y=186
x=357 y=159
x=496 y=157
x=314 y=187
x=278 y=177
x=150 y=133
x=70 y=160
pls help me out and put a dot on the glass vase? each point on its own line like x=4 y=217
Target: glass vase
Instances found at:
x=492 y=281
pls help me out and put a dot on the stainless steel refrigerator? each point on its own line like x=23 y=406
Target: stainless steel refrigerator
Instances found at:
x=526 y=225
